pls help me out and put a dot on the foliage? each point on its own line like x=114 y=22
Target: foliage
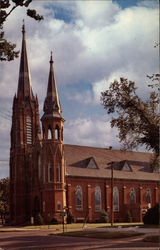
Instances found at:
x=104 y=217
x=70 y=218
x=137 y=120
x=7 y=49
x=53 y=221
x=155 y=78
x=4 y=197
x=152 y=216
x=38 y=219
x=128 y=217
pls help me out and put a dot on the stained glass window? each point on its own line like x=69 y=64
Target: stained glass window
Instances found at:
x=132 y=196
x=79 y=198
x=115 y=199
x=98 y=202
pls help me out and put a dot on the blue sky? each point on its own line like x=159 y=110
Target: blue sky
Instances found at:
x=93 y=43
x=127 y=3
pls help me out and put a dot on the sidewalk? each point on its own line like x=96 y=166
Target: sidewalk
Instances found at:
x=135 y=229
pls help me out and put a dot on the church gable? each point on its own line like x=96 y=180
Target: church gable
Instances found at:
x=86 y=163
x=125 y=166
x=92 y=163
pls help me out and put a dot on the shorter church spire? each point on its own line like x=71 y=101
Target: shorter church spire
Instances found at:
x=24 y=82
x=51 y=59
x=52 y=104
x=23 y=28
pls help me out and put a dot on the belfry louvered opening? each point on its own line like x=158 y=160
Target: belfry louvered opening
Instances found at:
x=29 y=129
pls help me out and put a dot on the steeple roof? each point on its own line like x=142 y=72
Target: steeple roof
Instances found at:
x=24 y=82
x=52 y=104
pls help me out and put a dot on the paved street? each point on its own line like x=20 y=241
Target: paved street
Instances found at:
x=43 y=239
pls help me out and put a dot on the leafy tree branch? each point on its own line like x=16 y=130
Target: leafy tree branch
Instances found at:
x=7 y=49
x=137 y=120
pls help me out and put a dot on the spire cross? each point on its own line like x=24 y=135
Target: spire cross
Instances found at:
x=23 y=27
x=51 y=59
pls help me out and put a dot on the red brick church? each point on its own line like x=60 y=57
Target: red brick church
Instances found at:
x=48 y=176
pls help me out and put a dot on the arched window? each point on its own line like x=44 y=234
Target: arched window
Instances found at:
x=59 y=207
x=79 y=198
x=148 y=196
x=29 y=129
x=50 y=173
x=39 y=165
x=132 y=196
x=98 y=201
x=49 y=133
x=115 y=199
x=57 y=133
x=58 y=173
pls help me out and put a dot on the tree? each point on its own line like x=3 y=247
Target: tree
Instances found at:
x=152 y=216
x=137 y=120
x=4 y=196
x=7 y=49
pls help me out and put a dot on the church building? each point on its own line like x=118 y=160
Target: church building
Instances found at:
x=48 y=176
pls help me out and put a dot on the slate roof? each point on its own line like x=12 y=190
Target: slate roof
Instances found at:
x=139 y=163
x=52 y=107
x=24 y=82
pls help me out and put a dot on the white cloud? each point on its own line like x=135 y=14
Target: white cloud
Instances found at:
x=4 y=143
x=95 y=14
x=85 y=98
x=130 y=74
x=94 y=131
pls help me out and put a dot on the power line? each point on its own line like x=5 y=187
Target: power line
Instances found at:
x=6 y=118
x=6 y=112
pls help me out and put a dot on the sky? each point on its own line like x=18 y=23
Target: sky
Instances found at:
x=93 y=43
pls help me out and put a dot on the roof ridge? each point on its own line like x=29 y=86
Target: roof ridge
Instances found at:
x=107 y=149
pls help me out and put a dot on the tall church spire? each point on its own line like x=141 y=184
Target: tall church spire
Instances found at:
x=52 y=105
x=24 y=82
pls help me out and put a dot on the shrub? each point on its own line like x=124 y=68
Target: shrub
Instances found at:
x=38 y=219
x=152 y=216
x=128 y=217
x=70 y=218
x=53 y=221
x=104 y=217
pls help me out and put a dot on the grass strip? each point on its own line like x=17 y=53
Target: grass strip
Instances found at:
x=89 y=225
x=101 y=235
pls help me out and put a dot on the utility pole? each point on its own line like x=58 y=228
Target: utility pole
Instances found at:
x=112 y=183
x=62 y=214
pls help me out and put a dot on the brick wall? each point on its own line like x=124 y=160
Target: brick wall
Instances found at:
x=88 y=188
